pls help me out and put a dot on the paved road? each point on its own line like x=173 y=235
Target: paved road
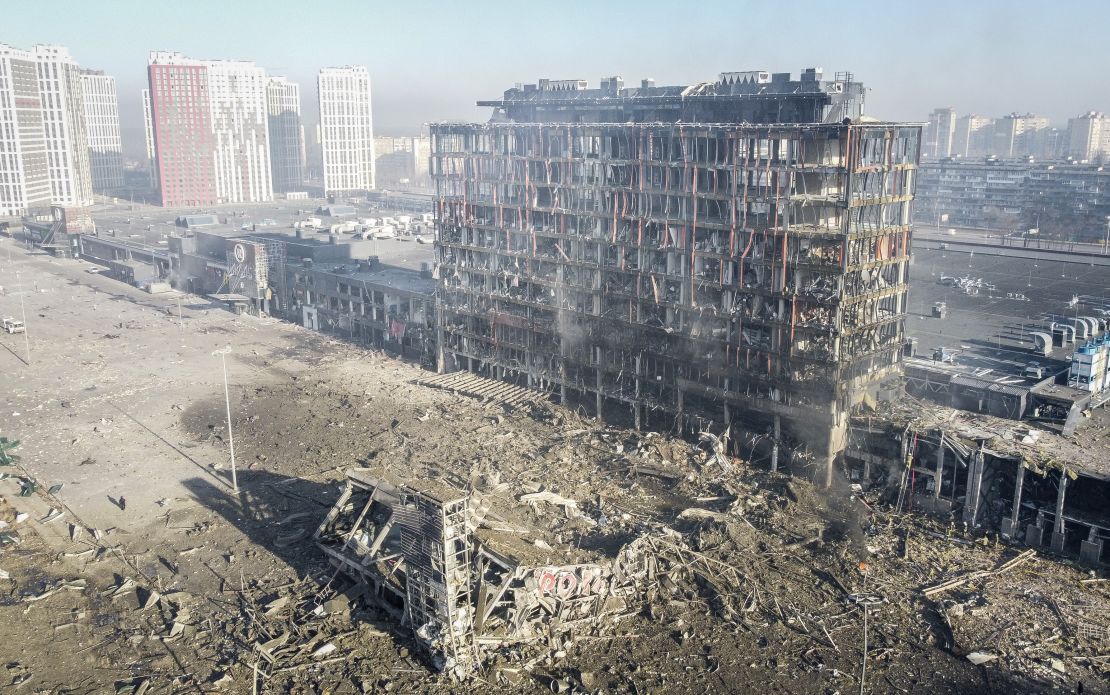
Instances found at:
x=1000 y=239
x=153 y=223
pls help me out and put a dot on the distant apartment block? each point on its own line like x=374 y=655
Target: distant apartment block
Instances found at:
x=63 y=114
x=1088 y=136
x=1015 y=136
x=24 y=174
x=1061 y=200
x=1018 y=135
x=402 y=162
x=210 y=130
x=347 y=129
x=1054 y=144
x=102 y=126
x=973 y=136
x=287 y=147
x=940 y=133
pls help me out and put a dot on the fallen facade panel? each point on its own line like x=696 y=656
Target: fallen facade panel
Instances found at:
x=465 y=576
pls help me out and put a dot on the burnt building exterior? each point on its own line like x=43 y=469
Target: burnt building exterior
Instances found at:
x=728 y=254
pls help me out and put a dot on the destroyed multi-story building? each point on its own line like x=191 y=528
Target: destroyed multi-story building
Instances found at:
x=724 y=254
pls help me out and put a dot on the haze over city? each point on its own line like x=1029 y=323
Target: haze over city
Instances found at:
x=431 y=60
x=519 y=348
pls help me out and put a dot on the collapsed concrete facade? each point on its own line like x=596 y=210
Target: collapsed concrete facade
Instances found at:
x=458 y=569
x=728 y=254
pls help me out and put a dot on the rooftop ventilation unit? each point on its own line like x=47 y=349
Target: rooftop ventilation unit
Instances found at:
x=745 y=77
x=562 y=85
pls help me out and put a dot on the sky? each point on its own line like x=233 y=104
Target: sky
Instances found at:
x=431 y=61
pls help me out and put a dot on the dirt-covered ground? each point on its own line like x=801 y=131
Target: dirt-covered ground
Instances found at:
x=157 y=578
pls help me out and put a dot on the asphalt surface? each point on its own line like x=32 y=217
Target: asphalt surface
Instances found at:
x=991 y=321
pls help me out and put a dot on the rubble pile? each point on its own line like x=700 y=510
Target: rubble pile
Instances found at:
x=632 y=563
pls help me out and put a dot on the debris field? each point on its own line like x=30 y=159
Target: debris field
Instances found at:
x=693 y=571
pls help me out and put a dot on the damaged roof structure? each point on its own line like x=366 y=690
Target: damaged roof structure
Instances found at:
x=729 y=255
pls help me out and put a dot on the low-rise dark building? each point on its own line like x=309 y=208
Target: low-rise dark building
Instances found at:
x=381 y=306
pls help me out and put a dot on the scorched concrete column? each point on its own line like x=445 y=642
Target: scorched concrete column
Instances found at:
x=1058 y=537
x=1010 y=526
x=974 y=485
x=598 y=381
x=776 y=434
x=938 y=477
x=835 y=443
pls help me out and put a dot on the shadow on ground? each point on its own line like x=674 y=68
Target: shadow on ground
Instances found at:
x=275 y=512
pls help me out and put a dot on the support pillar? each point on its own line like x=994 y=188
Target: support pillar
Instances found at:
x=562 y=347
x=1034 y=533
x=638 y=406
x=974 y=483
x=775 y=444
x=1010 y=526
x=1058 y=536
x=678 y=407
x=938 y=477
x=598 y=380
x=904 y=467
x=835 y=444
x=1090 y=550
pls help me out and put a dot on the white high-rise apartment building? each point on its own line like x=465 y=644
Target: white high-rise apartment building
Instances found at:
x=940 y=134
x=24 y=174
x=1089 y=136
x=237 y=94
x=973 y=136
x=1019 y=135
x=63 y=125
x=347 y=129
x=102 y=126
x=287 y=153
x=148 y=132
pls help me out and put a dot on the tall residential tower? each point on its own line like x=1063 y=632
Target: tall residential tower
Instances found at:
x=940 y=134
x=63 y=113
x=287 y=153
x=210 y=130
x=1088 y=136
x=102 y=126
x=237 y=95
x=184 y=141
x=346 y=129
x=24 y=174
x=974 y=135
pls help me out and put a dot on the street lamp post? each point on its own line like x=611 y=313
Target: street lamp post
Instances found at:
x=23 y=312
x=1106 y=241
x=227 y=401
